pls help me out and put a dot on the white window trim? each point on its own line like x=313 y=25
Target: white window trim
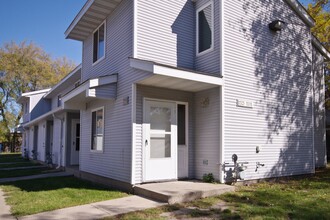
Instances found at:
x=197 y=28
x=91 y=150
x=105 y=42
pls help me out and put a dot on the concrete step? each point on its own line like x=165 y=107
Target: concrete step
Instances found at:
x=181 y=191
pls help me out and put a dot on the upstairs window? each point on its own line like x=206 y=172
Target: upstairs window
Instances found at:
x=97 y=129
x=204 y=35
x=99 y=43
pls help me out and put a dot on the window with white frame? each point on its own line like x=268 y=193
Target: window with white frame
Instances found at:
x=97 y=129
x=204 y=30
x=99 y=43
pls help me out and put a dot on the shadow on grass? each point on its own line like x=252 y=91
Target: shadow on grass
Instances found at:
x=13 y=157
x=25 y=172
x=54 y=183
x=303 y=198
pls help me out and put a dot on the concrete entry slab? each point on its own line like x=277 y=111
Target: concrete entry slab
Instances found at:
x=181 y=191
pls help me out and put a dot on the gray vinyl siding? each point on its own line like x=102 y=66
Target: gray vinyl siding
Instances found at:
x=210 y=61
x=105 y=92
x=115 y=161
x=163 y=94
x=207 y=130
x=38 y=106
x=273 y=71
x=319 y=110
x=166 y=32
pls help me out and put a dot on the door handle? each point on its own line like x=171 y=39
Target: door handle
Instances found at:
x=146 y=142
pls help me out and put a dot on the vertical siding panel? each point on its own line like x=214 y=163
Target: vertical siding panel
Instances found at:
x=319 y=111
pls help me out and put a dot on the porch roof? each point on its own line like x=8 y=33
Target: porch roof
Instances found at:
x=67 y=81
x=104 y=87
x=47 y=116
x=175 y=78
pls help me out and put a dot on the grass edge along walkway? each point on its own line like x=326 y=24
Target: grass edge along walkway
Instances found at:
x=54 y=193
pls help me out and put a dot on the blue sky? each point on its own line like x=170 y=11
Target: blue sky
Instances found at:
x=43 y=22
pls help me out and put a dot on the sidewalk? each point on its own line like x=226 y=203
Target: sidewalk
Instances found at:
x=4 y=209
x=97 y=210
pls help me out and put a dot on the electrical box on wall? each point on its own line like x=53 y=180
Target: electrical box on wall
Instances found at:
x=205 y=162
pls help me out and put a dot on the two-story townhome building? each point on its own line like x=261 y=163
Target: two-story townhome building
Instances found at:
x=178 y=89
x=50 y=132
x=33 y=105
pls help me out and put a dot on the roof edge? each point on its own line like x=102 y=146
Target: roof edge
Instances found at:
x=318 y=45
x=75 y=21
x=302 y=12
x=24 y=96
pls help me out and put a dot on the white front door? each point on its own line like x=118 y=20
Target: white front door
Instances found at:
x=160 y=141
x=75 y=140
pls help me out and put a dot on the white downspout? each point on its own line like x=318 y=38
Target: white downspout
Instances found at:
x=221 y=93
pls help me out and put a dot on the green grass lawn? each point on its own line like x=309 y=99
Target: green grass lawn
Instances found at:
x=34 y=196
x=19 y=164
x=11 y=157
x=26 y=172
x=303 y=198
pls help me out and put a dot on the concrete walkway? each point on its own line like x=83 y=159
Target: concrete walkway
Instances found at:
x=39 y=176
x=97 y=210
x=4 y=208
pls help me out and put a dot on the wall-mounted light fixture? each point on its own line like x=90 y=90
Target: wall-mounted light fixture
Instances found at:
x=276 y=25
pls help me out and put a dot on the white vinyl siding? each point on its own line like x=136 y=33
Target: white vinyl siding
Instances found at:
x=273 y=71
x=207 y=130
x=166 y=32
x=115 y=161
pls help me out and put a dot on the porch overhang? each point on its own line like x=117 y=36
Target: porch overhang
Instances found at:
x=93 y=13
x=175 y=78
x=104 y=88
x=44 y=117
